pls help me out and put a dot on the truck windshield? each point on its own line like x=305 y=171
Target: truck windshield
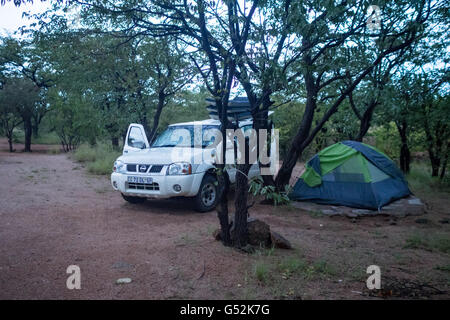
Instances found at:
x=187 y=136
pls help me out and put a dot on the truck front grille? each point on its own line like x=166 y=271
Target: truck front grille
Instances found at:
x=131 y=167
x=142 y=186
x=156 y=168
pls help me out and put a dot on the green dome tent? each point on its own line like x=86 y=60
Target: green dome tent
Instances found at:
x=353 y=174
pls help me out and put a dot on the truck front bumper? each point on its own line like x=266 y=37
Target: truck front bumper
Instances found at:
x=162 y=186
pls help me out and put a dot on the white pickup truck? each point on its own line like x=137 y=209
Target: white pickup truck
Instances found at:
x=180 y=162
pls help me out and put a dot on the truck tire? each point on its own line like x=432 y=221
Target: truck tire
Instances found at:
x=133 y=199
x=208 y=196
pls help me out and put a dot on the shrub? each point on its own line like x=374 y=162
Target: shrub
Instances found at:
x=420 y=179
x=257 y=187
x=85 y=153
x=99 y=159
x=261 y=271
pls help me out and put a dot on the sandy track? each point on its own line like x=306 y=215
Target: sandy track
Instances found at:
x=53 y=214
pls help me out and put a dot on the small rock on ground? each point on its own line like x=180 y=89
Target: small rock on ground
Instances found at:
x=258 y=233
x=123 y=281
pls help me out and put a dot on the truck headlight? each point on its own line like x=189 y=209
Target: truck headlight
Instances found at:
x=179 y=168
x=119 y=167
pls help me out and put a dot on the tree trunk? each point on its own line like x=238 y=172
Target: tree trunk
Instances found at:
x=434 y=147
x=296 y=148
x=434 y=155
x=239 y=232
x=444 y=164
x=161 y=102
x=10 y=142
x=405 y=158
x=147 y=128
x=435 y=165
x=405 y=154
x=222 y=208
x=366 y=120
x=115 y=142
x=28 y=133
x=35 y=128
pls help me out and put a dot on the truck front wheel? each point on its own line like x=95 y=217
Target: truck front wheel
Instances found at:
x=208 y=196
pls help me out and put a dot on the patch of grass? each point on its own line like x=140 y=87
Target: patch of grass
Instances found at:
x=440 y=243
x=54 y=151
x=291 y=265
x=208 y=231
x=435 y=242
x=264 y=252
x=420 y=179
x=315 y=214
x=261 y=271
x=445 y=268
x=323 y=267
x=414 y=241
x=186 y=240
x=357 y=273
x=400 y=258
x=43 y=138
x=86 y=153
x=99 y=159
x=102 y=166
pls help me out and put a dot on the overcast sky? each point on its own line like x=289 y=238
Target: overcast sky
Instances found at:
x=11 y=16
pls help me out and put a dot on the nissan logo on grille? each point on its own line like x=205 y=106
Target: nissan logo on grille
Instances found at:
x=143 y=168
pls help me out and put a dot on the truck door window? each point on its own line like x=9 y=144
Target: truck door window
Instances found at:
x=136 y=138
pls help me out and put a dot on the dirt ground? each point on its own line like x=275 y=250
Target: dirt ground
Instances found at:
x=54 y=214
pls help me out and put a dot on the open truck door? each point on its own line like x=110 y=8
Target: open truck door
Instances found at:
x=136 y=139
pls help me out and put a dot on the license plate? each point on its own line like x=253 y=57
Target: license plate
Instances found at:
x=140 y=179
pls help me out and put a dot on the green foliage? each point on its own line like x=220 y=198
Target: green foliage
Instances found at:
x=99 y=159
x=344 y=125
x=286 y=119
x=257 y=188
x=20 y=95
x=73 y=120
x=387 y=140
x=185 y=106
